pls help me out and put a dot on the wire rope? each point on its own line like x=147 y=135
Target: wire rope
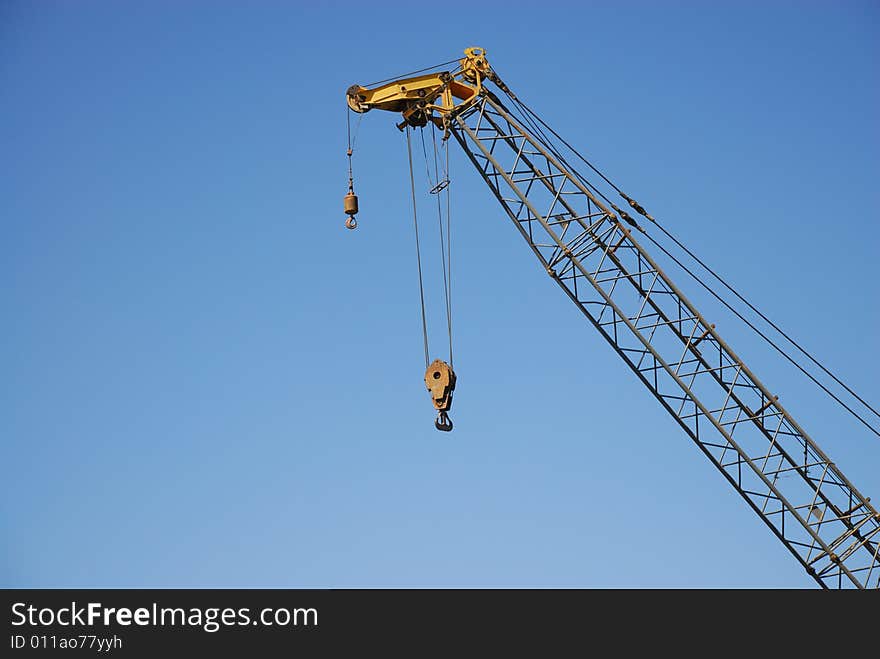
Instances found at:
x=411 y=73
x=418 y=248
x=443 y=249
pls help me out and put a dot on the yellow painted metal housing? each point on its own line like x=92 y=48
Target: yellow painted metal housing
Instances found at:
x=433 y=97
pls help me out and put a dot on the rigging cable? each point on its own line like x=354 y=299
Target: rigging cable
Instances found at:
x=641 y=211
x=411 y=73
x=348 y=151
x=350 y=203
x=418 y=249
x=436 y=189
x=351 y=142
x=448 y=252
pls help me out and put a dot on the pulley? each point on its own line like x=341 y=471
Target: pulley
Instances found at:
x=440 y=380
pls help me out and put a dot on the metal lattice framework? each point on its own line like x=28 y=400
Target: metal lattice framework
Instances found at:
x=741 y=427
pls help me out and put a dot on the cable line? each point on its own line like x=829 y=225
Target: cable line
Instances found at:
x=436 y=189
x=448 y=254
x=418 y=249
x=411 y=73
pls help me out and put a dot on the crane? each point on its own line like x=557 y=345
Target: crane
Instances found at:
x=593 y=249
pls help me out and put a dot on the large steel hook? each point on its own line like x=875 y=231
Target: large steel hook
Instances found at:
x=443 y=422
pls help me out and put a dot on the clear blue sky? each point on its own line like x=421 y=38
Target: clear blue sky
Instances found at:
x=210 y=382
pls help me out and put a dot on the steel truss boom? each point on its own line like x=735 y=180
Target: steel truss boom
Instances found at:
x=803 y=497
x=783 y=475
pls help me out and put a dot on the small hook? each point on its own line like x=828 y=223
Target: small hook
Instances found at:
x=351 y=223
x=443 y=422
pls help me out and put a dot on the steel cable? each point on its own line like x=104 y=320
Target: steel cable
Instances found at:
x=433 y=185
x=411 y=73
x=443 y=248
x=418 y=248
